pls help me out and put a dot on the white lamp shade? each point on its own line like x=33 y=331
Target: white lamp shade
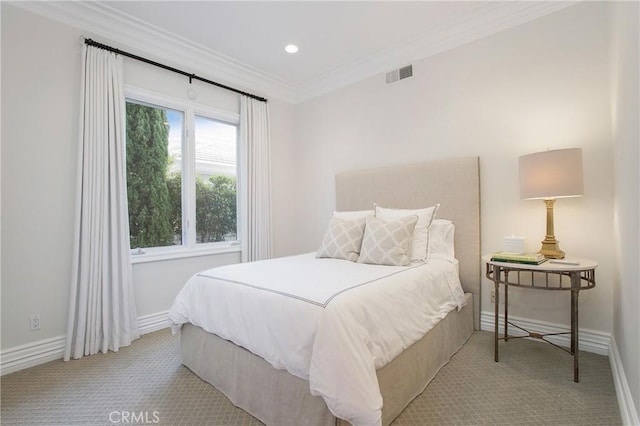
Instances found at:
x=551 y=174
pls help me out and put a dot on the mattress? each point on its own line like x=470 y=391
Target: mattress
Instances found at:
x=330 y=322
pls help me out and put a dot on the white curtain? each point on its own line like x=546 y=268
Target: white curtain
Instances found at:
x=255 y=180
x=102 y=314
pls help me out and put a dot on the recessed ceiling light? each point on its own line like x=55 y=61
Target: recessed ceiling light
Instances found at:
x=291 y=48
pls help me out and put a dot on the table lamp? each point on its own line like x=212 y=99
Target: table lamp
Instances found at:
x=549 y=175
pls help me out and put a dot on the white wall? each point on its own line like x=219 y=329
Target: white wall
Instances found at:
x=40 y=83
x=40 y=70
x=541 y=85
x=283 y=176
x=625 y=113
x=0 y=171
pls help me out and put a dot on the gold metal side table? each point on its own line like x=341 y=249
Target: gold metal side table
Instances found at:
x=546 y=276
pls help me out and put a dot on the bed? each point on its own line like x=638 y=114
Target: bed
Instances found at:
x=285 y=396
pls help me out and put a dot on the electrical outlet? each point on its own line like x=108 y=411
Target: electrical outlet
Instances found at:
x=34 y=322
x=493 y=295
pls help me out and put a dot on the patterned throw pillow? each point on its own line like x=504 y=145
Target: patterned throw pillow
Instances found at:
x=420 y=240
x=343 y=239
x=387 y=243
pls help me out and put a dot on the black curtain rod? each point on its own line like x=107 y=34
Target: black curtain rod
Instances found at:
x=191 y=76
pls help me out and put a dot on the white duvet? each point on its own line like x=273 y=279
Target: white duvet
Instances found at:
x=331 y=322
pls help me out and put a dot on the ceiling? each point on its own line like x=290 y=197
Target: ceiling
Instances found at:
x=330 y=34
x=340 y=42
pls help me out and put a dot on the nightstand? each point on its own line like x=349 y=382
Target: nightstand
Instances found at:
x=546 y=276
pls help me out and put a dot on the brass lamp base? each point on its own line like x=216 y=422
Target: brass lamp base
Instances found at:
x=550 y=249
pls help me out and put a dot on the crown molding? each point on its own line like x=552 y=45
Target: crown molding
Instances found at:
x=485 y=20
x=139 y=37
x=100 y=20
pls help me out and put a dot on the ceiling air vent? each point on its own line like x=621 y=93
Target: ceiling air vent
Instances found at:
x=400 y=74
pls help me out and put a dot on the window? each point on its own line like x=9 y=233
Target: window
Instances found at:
x=216 y=201
x=181 y=176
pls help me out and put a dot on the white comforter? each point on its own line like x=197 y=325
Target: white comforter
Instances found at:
x=331 y=322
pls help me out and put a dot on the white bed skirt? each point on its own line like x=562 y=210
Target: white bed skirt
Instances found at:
x=278 y=398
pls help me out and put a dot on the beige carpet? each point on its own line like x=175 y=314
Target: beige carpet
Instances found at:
x=145 y=383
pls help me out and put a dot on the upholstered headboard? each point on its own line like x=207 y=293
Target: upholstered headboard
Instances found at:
x=454 y=183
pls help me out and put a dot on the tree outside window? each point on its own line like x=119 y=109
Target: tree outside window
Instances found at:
x=159 y=204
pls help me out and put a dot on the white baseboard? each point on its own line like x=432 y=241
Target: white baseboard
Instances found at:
x=154 y=322
x=590 y=340
x=31 y=354
x=628 y=411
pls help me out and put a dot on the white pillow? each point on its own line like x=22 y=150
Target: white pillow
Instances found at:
x=441 y=238
x=355 y=214
x=420 y=238
x=343 y=239
x=387 y=243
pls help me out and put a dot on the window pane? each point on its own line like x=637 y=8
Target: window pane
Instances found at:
x=216 y=148
x=154 y=181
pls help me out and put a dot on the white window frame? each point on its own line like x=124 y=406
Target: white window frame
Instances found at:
x=189 y=247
